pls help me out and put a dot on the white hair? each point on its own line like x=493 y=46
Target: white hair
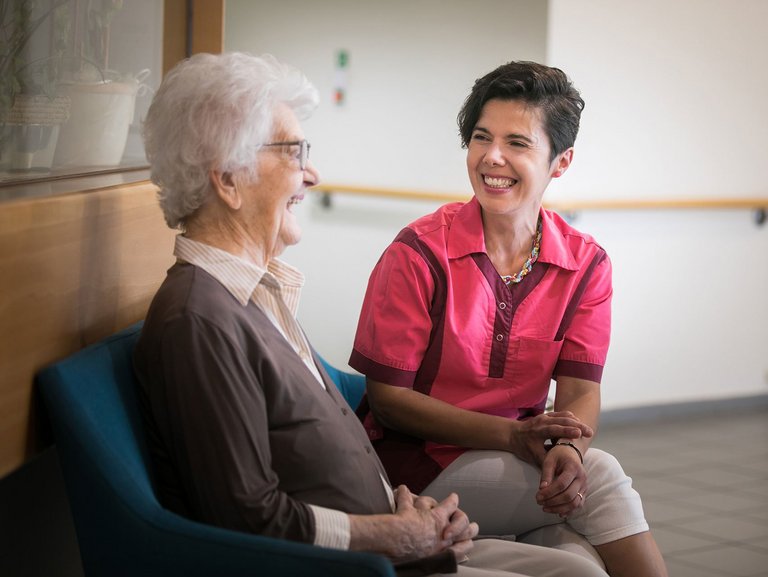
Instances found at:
x=214 y=112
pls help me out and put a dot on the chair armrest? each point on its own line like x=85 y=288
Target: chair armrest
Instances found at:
x=177 y=546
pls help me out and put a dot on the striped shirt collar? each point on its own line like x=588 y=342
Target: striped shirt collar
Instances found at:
x=237 y=275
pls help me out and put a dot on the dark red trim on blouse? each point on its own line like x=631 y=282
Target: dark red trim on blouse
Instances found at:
x=579 y=370
x=425 y=376
x=508 y=298
x=575 y=301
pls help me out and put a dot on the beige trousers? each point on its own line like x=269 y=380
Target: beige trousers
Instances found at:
x=497 y=490
x=498 y=558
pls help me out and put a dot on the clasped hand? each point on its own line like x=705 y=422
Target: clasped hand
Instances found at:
x=529 y=435
x=563 y=482
x=432 y=526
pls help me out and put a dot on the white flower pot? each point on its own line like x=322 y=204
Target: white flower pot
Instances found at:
x=97 y=129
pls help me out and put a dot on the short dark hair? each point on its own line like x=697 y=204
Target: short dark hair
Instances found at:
x=543 y=87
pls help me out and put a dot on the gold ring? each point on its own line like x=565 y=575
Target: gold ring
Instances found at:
x=580 y=495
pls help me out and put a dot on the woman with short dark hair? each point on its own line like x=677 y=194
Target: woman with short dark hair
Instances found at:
x=471 y=312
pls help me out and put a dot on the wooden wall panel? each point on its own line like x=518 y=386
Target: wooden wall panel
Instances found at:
x=207 y=26
x=174 y=33
x=191 y=27
x=73 y=269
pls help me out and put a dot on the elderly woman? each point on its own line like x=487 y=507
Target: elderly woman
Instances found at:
x=245 y=428
x=470 y=313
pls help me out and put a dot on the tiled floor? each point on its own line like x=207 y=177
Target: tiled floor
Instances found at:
x=704 y=483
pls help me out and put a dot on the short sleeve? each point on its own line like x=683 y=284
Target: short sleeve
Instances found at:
x=587 y=336
x=394 y=327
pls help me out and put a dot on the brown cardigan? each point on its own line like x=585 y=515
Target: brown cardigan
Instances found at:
x=240 y=433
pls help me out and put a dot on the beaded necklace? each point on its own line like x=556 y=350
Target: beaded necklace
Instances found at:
x=510 y=279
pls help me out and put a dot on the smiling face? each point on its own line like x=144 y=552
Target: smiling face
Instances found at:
x=508 y=159
x=268 y=203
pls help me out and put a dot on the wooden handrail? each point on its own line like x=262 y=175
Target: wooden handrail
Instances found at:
x=391 y=192
x=743 y=203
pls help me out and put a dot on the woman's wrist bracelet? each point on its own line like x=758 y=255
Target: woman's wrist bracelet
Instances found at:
x=572 y=446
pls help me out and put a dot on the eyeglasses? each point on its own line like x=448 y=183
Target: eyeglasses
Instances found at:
x=304 y=147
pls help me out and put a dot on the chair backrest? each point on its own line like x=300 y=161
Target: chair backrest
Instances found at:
x=121 y=527
x=351 y=386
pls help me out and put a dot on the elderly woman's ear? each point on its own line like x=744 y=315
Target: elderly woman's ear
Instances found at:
x=226 y=189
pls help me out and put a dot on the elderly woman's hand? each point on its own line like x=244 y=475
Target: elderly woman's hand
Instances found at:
x=528 y=436
x=422 y=526
x=460 y=530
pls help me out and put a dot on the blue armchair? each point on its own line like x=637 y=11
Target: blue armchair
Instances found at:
x=121 y=527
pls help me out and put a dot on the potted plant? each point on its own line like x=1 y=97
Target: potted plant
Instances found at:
x=102 y=99
x=30 y=110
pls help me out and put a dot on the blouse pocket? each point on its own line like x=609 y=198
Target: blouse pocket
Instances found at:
x=531 y=363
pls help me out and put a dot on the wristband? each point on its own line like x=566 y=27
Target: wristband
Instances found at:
x=574 y=447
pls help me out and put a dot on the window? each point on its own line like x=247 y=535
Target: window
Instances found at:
x=77 y=77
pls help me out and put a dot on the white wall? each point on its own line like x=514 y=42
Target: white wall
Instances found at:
x=675 y=91
x=691 y=306
x=675 y=97
x=411 y=64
